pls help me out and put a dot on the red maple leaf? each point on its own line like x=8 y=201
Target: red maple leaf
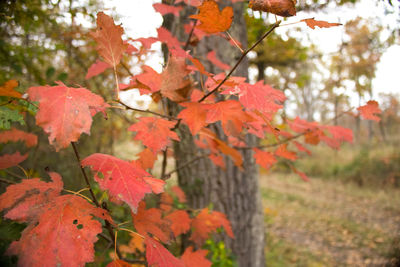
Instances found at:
x=23 y=201
x=260 y=97
x=195 y=258
x=65 y=112
x=180 y=222
x=194 y=116
x=11 y=160
x=167 y=9
x=264 y=158
x=230 y=113
x=213 y=20
x=150 y=78
x=63 y=234
x=301 y=174
x=369 y=110
x=96 y=68
x=212 y=57
x=159 y=256
x=154 y=133
x=124 y=181
x=282 y=151
x=148 y=221
x=108 y=37
x=207 y=222
x=15 y=135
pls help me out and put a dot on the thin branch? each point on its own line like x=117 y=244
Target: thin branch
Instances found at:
x=14 y=174
x=147 y=111
x=85 y=175
x=234 y=41
x=168 y=175
x=273 y=27
x=190 y=36
x=2 y=180
x=126 y=68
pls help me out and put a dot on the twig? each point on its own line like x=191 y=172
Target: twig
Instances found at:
x=167 y=175
x=234 y=41
x=190 y=36
x=96 y=202
x=126 y=68
x=273 y=27
x=2 y=180
x=85 y=175
x=14 y=174
x=147 y=111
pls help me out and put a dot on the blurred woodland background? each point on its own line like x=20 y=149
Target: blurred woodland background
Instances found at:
x=349 y=214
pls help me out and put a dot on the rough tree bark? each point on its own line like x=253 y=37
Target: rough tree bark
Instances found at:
x=232 y=191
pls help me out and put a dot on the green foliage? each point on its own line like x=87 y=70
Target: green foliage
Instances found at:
x=8 y=116
x=220 y=256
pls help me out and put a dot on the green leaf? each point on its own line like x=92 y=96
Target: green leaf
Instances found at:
x=8 y=116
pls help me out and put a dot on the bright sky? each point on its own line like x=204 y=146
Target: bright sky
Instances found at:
x=140 y=20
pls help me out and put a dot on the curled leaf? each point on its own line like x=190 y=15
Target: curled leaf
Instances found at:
x=284 y=8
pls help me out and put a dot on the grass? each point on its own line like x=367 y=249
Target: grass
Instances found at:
x=328 y=223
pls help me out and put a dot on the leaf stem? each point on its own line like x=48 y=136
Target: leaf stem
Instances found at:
x=234 y=41
x=147 y=111
x=273 y=27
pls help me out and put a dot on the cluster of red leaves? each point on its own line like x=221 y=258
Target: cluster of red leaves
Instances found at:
x=61 y=229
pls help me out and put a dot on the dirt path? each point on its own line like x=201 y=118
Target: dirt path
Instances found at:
x=326 y=223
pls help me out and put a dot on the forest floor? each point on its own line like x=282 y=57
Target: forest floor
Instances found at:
x=328 y=223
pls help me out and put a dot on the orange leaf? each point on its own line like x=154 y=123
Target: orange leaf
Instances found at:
x=175 y=82
x=179 y=193
x=8 y=89
x=196 y=258
x=149 y=221
x=207 y=222
x=312 y=23
x=194 y=116
x=155 y=133
x=284 y=8
x=230 y=113
x=264 y=159
x=108 y=37
x=369 y=110
x=15 y=135
x=63 y=234
x=284 y=153
x=11 y=160
x=147 y=158
x=180 y=222
x=212 y=20
x=119 y=263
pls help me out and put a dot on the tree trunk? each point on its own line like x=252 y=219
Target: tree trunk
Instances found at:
x=231 y=191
